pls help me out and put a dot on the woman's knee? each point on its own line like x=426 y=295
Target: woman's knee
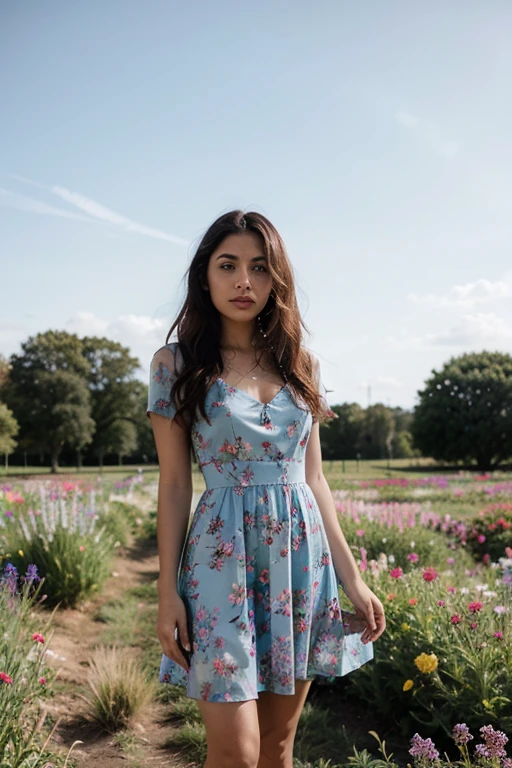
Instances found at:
x=242 y=753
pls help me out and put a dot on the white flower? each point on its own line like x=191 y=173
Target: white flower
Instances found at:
x=464 y=590
x=481 y=587
x=489 y=593
x=391 y=558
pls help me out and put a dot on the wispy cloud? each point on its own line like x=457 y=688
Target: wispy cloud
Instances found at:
x=95 y=212
x=471 y=332
x=428 y=132
x=467 y=295
x=23 y=203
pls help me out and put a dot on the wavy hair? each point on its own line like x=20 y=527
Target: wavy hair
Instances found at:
x=198 y=325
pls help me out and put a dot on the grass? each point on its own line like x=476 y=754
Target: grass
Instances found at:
x=119 y=688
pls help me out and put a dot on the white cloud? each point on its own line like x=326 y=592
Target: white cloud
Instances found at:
x=142 y=334
x=470 y=332
x=96 y=212
x=24 y=203
x=428 y=132
x=467 y=295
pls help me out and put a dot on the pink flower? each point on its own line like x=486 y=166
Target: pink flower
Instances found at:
x=451 y=590
x=456 y=619
x=474 y=625
x=42 y=680
x=450 y=560
x=5 y=678
x=413 y=557
x=360 y=532
x=498 y=635
x=38 y=637
x=481 y=538
x=412 y=601
x=82 y=548
x=396 y=573
x=430 y=574
x=475 y=607
x=440 y=603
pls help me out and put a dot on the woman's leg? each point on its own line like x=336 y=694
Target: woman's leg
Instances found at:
x=232 y=734
x=278 y=718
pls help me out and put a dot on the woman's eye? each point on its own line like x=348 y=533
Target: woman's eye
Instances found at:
x=257 y=267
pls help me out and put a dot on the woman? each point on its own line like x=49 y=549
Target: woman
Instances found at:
x=251 y=614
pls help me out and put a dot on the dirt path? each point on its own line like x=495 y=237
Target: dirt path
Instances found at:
x=76 y=632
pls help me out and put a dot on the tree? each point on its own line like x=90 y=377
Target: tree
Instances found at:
x=116 y=396
x=465 y=411
x=47 y=391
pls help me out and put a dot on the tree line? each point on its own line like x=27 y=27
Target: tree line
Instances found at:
x=76 y=402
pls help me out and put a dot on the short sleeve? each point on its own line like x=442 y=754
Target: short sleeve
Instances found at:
x=326 y=412
x=161 y=378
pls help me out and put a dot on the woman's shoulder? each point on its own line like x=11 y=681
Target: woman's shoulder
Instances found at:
x=168 y=354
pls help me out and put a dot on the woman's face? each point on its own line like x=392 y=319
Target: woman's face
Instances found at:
x=238 y=267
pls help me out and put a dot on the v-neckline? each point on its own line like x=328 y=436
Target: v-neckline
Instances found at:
x=251 y=397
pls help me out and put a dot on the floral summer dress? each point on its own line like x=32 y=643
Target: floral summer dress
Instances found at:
x=256 y=575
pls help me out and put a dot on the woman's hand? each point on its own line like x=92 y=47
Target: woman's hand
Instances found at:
x=172 y=616
x=368 y=608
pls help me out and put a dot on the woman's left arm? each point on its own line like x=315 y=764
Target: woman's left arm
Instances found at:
x=367 y=605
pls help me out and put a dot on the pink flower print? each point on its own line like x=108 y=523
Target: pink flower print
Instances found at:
x=325 y=559
x=219 y=642
x=228 y=448
x=264 y=577
x=266 y=445
x=301 y=625
x=249 y=520
x=201 y=614
x=237 y=596
x=215 y=524
x=284 y=552
x=205 y=691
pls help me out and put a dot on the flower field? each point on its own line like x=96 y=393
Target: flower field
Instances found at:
x=437 y=551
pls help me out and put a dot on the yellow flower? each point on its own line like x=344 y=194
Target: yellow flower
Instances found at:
x=405 y=627
x=487 y=704
x=426 y=663
x=408 y=685
x=20 y=552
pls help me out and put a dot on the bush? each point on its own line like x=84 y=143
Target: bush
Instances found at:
x=62 y=538
x=446 y=650
x=406 y=547
x=24 y=678
x=486 y=535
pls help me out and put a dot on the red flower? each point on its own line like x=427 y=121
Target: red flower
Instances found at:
x=475 y=607
x=412 y=601
x=456 y=619
x=5 y=678
x=440 y=603
x=42 y=680
x=391 y=596
x=498 y=635
x=38 y=637
x=396 y=573
x=430 y=574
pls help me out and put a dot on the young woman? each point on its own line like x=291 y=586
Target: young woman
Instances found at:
x=248 y=610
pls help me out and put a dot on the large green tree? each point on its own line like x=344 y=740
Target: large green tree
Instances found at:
x=47 y=391
x=465 y=411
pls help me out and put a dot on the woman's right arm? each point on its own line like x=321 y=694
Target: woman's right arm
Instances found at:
x=174 y=501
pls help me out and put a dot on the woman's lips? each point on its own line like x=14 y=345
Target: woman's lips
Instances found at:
x=242 y=304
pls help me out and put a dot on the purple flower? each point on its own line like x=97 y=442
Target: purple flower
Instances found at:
x=461 y=734
x=500 y=609
x=494 y=743
x=32 y=574
x=423 y=748
x=10 y=577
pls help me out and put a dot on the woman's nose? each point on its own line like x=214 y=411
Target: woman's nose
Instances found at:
x=243 y=280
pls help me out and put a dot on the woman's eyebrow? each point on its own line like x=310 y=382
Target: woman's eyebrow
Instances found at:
x=235 y=258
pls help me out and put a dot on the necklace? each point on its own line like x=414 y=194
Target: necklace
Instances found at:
x=244 y=375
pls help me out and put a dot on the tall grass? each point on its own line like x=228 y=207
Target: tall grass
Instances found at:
x=119 y=688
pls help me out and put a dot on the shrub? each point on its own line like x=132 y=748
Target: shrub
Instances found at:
x=445 y=650
x=62 y=538
x=24 y=678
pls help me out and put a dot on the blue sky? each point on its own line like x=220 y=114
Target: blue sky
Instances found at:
x=375 y=135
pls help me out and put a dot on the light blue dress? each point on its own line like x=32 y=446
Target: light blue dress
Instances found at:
x=256 y=575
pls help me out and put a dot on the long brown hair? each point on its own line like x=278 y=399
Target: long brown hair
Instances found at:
x=198 y=322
